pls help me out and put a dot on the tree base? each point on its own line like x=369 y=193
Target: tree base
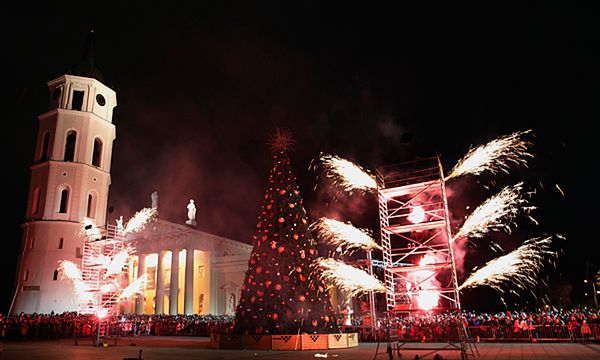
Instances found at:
x=291 y=342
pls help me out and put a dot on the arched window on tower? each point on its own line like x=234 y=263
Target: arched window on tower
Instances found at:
x=35 y=203
x=55 y=275
x=91 y=207
x=70 y=146
x=45 y=144
x=61 y=243
x=64 y=200
x=97 y=152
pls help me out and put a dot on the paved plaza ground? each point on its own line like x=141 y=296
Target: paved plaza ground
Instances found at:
x=181 y=348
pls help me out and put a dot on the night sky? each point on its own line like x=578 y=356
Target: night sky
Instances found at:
x=200 y=89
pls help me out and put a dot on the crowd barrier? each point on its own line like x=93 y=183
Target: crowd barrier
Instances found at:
x=412 y=333
x=536 y=333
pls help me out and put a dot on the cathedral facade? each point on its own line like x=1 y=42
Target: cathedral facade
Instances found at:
x=189 y=271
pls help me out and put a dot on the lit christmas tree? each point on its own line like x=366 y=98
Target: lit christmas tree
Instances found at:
x=281 y=293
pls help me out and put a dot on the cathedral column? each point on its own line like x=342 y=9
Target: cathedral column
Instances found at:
x=160 y=284
x=174 y=290
x=139 y=304
x=188 y=302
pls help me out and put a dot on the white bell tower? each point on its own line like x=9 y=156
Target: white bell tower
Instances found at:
x=70 y=180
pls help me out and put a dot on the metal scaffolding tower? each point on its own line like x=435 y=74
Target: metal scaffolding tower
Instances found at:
x=101 y=289
x=419 y=268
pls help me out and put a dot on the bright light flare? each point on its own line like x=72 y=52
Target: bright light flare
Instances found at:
x=416 y=215
x=496 y=213
x=426 y=299
x=101 y=313
x=518 y=268
x=495 y=156
x=347 y=175
x=139 y=220
x=348 y=278
x=340 y=234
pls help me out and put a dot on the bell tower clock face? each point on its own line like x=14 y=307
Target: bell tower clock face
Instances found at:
x=100 y=100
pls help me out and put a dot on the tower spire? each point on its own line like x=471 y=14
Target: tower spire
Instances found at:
x=86 y=67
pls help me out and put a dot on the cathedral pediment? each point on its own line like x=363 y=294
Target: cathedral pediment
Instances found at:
x=165 y=235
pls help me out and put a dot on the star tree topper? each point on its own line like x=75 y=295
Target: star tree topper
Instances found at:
x=281 y=140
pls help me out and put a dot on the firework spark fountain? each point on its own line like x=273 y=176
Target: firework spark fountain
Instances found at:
x=136 y=287
x=495 y=156
x=139 y=220
x=348 y=278
x=70 y=271
x=90 y=230
x=496 y=213
x=346 y=174
x=344 y=235
x=102 y=293
x=116 y=264
x=519 y=267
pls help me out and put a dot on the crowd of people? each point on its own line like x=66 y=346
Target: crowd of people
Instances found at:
x=574 y=324
x=549 y=324
x=71 y=324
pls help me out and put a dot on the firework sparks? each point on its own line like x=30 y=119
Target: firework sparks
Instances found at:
x=519 y=267
x=116 y=264
x=90 y=229
x=70 y=271
x=350 y=279
x=340 y=234
x=136 y=287
x=496 y=213
x=139 y=220
x=495 y=156
x=347 y=175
